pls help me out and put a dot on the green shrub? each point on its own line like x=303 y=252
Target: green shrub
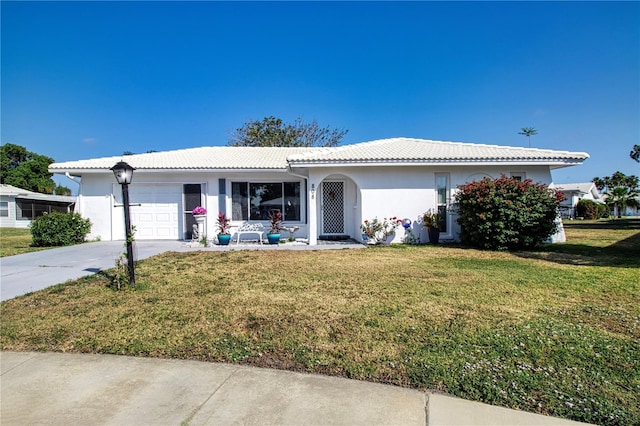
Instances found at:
x=59 y=229
x=506 y=213
x=603 y=211
x=587 y=209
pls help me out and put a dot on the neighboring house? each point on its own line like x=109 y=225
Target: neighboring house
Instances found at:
x=326 y=192
x=574 y=192
x=19 y=206
x=628 y=210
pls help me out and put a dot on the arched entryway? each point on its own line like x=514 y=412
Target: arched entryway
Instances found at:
x=332 y=213
x=337 y=205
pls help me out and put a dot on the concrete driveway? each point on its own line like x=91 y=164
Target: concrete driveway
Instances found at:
x=25 y=273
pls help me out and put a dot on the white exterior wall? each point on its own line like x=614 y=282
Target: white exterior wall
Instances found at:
x=404 y=192
x=11 y=221
x=100 y=193
x=386 y=191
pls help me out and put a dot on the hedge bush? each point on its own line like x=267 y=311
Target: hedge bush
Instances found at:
x=506 y=213
x=589 y=209
x=59 y=229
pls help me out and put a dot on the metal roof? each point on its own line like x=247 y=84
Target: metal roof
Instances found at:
x=14 y=191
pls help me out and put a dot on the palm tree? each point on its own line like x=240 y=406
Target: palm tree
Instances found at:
x=621 y=197
x=528 y=132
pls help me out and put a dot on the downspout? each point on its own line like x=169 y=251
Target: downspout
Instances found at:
x=78 y=205
x=68 y=175
x=295 y=174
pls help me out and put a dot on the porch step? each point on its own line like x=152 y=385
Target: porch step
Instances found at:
x=334 y=237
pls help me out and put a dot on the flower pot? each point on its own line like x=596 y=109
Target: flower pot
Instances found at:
x=434 y=234
x=273 y=238
x=200 y=221
x=223 y=239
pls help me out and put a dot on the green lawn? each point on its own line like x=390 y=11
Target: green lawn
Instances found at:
x=555 y=331
x=16 y=241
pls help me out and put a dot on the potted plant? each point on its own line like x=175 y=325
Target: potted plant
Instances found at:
x=199 y=211
x=224 y=235
x=431 y=219
x=275 y=217
x=200 y=214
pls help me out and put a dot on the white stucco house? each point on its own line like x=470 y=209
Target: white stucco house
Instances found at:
x=326 y=192
x=574 y=192
x=18 y=207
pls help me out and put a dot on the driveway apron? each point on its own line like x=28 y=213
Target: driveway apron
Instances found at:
x=29 y=272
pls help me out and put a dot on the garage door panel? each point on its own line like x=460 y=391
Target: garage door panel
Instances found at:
x=155 y=210
x=144 y=217
x=163 y=217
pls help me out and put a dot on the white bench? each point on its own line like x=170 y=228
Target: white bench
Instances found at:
x=250 y=228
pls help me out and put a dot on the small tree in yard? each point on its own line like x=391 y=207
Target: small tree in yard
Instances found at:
x=506 y=213
x=59 y=229
x=621 y=191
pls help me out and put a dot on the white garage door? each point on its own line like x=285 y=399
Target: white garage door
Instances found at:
x=157 y=216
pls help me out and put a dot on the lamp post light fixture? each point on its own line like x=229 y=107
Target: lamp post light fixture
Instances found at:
x=124 y=173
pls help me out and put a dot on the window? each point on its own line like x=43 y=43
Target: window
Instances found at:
x=192 y=193
x=518 y=176
x=4 y=209
x=30 y=209
x=442 y=197
x=255 y=200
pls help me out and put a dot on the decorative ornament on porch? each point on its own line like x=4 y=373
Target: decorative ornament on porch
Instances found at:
x=380 y=232
x=275 y=217
x=200 y=214
x=431 y=219
x=224 y=235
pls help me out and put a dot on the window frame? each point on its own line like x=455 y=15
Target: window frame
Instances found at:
x=245 y=203
x=442 y=206
x=4 y=209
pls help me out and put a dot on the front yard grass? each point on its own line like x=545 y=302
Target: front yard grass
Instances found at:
x=16 y=241
x=554 y=332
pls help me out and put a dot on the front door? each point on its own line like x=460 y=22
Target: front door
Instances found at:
x=333 y=208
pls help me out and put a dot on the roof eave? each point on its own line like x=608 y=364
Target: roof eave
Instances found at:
x=452 y=162
x=81 y=171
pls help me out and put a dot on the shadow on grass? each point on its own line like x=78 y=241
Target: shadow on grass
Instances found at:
x=624 y=253
x=627 y=223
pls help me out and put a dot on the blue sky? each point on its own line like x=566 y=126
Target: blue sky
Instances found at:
x=91 y=79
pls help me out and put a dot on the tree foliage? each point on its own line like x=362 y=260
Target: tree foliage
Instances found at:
x=25 y=169
x=62 y=190
x=528 y=132
x=506 y=213
x=272 y=131
x=621 y=191
x=635 y=153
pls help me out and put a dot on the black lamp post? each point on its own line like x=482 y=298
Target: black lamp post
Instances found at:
x=124 y=174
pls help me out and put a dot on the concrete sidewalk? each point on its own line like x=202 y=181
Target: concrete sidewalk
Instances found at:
x=64 y=389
